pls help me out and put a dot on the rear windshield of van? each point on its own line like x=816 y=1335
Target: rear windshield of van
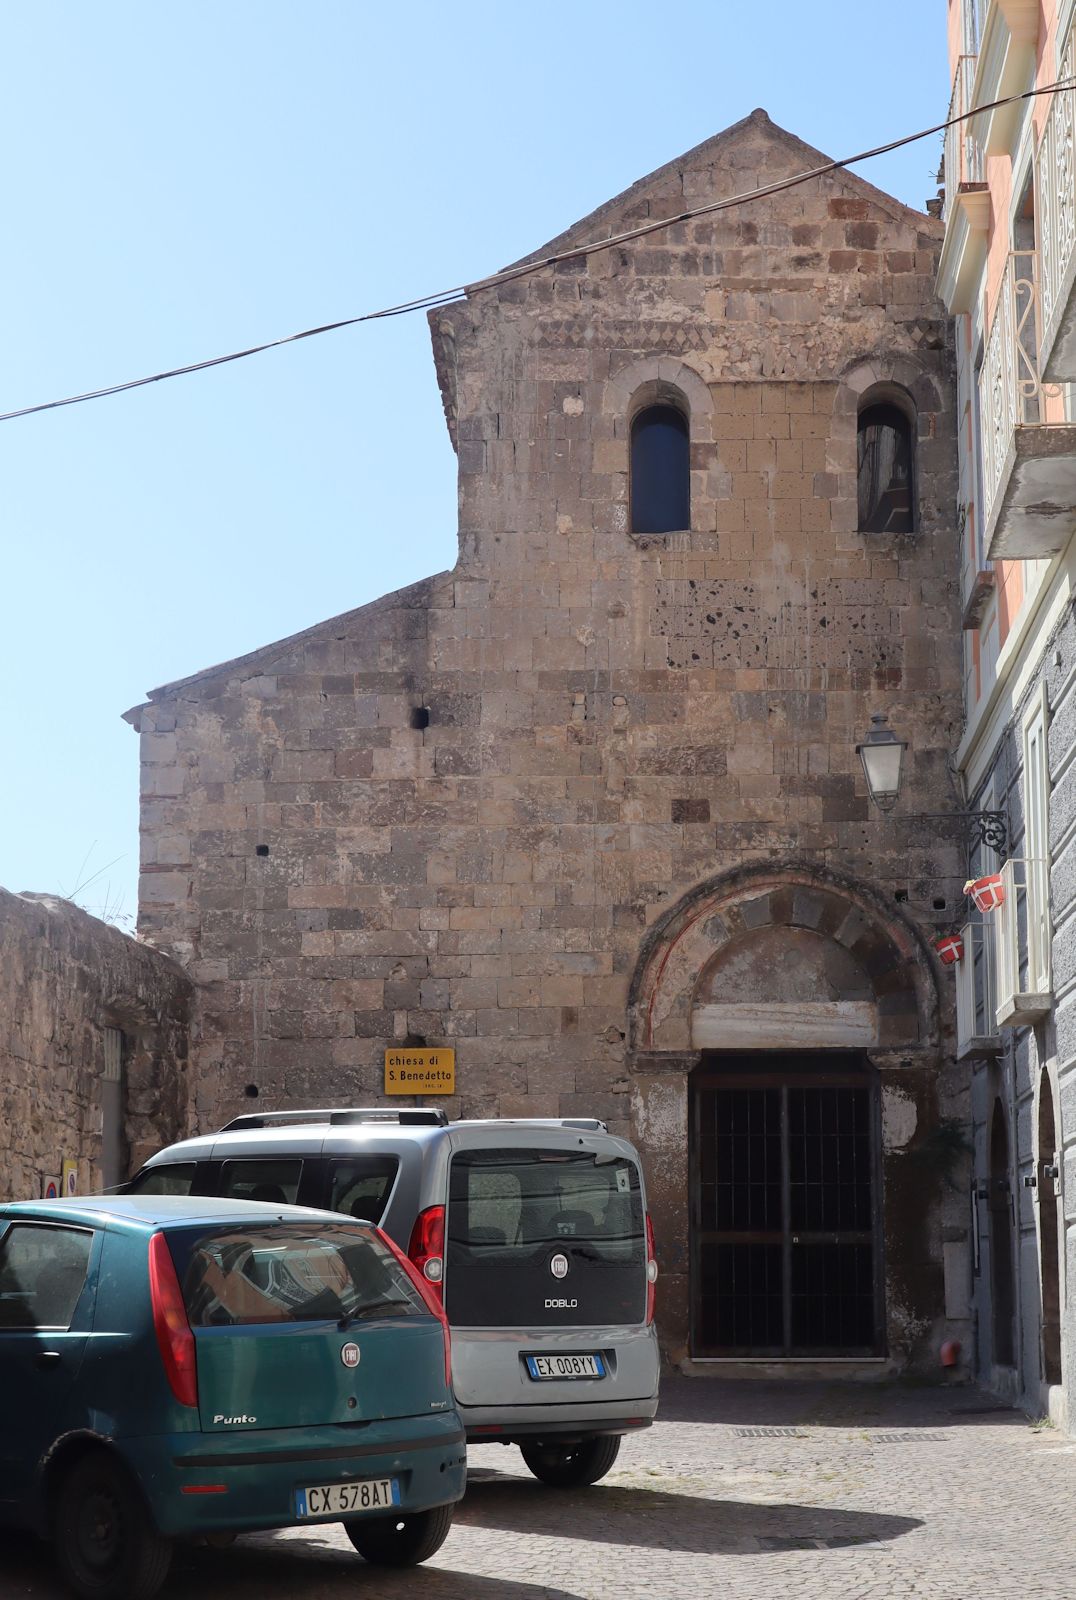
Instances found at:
x=512 y=1213
x=239 y=1275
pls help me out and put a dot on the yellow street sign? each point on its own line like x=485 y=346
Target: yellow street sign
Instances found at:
x=414 y=1071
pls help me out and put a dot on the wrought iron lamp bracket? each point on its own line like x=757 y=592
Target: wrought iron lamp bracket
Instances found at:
x=987 y=828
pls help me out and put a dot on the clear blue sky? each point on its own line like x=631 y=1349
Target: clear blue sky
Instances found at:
x=183 y=179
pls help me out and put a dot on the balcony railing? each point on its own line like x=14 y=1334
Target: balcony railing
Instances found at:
x=972 y=24
x=1010 y=389
x=1056 y=205
x=963 y=152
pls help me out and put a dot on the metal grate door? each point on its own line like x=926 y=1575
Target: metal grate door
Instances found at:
x=784 y=1216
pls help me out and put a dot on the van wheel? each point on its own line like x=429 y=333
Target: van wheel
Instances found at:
x=401 y=1541
x=571 y=1466
x=106 y=1546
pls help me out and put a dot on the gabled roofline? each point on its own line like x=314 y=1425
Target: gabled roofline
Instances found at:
x=595 y=227
x=589 y=228
x=414 y=596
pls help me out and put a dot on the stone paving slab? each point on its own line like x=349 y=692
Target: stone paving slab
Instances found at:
x=751 y=1488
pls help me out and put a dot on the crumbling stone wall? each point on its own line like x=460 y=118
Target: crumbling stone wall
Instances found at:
x=64 y=978
x=607 y=720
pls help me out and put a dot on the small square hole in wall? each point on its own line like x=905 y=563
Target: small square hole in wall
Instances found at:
x=414 y=1041
x=261 y=849
x=900 y=896
x=252 y=1091
x=420 y=716
x=939 y=902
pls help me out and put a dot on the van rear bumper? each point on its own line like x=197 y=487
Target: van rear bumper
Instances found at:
x=508 y=1424
x=491 y=1381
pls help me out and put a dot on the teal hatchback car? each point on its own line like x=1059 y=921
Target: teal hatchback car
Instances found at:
x=176 y=1367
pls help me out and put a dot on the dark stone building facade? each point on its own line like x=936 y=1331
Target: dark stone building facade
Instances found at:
x=588 y=807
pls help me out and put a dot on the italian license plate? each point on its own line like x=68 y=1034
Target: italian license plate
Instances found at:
x=345 y=1499
x=588 y=1366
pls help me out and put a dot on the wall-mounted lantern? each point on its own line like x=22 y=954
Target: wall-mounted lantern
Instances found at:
x=882 y=755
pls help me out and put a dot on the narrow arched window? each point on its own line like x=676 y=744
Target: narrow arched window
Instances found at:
x=660 y=471
x=886 y=488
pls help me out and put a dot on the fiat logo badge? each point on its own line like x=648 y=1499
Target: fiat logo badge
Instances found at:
x=559 y=1266
x=349 y=1355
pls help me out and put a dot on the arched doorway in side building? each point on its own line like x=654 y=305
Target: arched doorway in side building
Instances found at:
x=786 y=1057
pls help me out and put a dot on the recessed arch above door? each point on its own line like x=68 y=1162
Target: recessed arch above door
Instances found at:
x=782 y=957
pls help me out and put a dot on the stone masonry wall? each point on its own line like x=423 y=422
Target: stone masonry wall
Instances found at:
x=64 y=977
x=612 y=720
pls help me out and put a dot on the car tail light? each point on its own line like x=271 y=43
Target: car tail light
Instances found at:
x=651 y=1270
x=170 y=1323
x=427 y=1248
x=430 y=1291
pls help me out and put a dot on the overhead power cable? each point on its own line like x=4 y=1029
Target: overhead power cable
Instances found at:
x=447 y=296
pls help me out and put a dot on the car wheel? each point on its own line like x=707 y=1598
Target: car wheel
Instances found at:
x=400 y=1541
x=571 y=1466
x=106 y=1546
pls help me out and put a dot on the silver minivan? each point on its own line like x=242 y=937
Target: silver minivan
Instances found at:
x=534 y=1231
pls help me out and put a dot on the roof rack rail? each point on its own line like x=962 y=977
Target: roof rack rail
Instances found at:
x=588 y=1124
x=406 y=1116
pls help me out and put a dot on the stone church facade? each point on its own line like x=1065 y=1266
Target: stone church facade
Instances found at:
x=587 y=807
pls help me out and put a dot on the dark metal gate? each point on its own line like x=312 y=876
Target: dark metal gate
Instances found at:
x=786 y=1257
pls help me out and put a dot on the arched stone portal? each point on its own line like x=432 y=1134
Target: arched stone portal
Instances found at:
x=795 y=1000
x=834 y=933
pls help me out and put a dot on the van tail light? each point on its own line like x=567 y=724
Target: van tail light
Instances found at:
x=427 y=1248
x=170 y=1323
x=430 y=1291
x=651 y=1270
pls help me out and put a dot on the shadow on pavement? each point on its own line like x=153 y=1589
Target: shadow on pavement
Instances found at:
x=273 y=1567
x=760 y=1402
x=611 y=1514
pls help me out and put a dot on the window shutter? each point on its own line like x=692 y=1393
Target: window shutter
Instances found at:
x=113 y=1070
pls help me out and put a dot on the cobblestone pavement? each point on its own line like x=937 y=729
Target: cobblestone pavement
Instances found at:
x=755 y=1489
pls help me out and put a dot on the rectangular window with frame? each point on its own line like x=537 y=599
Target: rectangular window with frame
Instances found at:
x=975 y=1007
x=977 y=458
x=1037 y=842
x=112 y=1098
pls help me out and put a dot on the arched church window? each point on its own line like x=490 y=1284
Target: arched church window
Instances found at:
x=885 y=469
x=660 y=471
